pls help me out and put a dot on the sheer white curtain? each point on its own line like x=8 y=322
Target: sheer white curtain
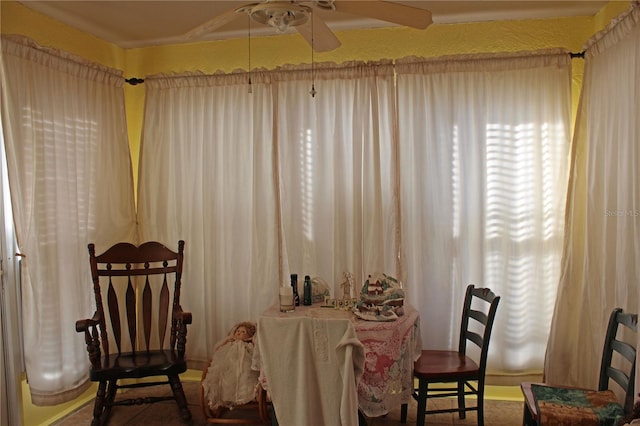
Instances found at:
x=268 y=183
x=336 y=172
x=71 y=183
x=207 y=177
x=472 y=162
x=484 y=145
x=601 y=268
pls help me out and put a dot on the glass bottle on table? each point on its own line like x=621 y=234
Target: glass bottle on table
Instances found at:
x=306 y=296
x=286 y=299
x=294 y=285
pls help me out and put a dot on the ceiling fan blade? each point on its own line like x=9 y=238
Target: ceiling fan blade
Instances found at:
x=324 y=40
x=386 y=11
x=215 y=23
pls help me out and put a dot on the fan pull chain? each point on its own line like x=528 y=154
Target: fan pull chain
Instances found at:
x=313 y=75
x=249 y=26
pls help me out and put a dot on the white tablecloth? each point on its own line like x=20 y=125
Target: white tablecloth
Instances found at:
x=310 y=366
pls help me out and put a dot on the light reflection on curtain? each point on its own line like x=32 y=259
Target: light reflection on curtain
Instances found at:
x=482 y=172
x=254 y=202
x=207 y=177
x=336 y=172
x=601 y=268
x=483 y=149
x=71 y=184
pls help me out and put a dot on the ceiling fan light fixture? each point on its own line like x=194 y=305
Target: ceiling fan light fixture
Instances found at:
x=325 y=4
x=280 y=15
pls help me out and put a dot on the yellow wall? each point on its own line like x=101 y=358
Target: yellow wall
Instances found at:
x=269 y=52
x=17 y=19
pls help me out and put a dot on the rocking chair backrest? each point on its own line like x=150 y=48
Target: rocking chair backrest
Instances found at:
x=134 y=284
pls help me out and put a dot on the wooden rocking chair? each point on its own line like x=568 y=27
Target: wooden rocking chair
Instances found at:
x=135 y=281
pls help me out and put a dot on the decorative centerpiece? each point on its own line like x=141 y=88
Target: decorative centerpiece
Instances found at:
x=319 y=290
x=347 y=302
x=381 y=299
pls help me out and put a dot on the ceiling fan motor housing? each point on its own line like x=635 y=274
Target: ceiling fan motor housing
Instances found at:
x=280 y=15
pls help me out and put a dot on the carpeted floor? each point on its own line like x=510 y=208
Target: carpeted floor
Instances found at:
x=497 y=413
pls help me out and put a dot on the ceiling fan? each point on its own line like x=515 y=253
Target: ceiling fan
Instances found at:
x=300 y=15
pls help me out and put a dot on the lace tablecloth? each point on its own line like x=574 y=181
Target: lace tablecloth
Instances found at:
x=390 y=351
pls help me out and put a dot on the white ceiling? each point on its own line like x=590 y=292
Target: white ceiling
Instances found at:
x=142 y=23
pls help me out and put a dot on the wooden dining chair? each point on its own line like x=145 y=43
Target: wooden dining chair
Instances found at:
x=134 y=282
x=549 y=405
x=458 y=367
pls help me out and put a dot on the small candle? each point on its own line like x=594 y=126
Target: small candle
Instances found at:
x=286 y=299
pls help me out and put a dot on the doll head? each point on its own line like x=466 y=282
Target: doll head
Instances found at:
x=244 y=331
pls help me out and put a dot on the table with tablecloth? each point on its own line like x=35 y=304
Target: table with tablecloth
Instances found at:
x=390 y=349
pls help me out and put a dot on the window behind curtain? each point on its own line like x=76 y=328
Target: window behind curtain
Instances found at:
x=337 y=172
x=11 y=343
x=460 y=182
x=483 y=162
x=601 y=270
x=71 y=184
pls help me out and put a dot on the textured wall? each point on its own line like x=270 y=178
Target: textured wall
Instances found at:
x=269 y=52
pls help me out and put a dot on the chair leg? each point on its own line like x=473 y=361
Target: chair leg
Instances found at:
x=98 y=407
x=362 y=420
x=178 y=393
x=263 y=408
x=481 y=405
x=422 y=402
x=527 y=418
x=109 y=399
x=403 y=413
x=462 y=413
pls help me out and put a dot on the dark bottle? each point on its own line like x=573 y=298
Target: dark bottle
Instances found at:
x=294 y=285
x=306 y=296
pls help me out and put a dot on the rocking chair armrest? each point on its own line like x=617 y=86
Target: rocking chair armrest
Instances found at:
x=181 y=316
x=180 y=321
x=82 y=325
x=184 y=317
x=90 y=327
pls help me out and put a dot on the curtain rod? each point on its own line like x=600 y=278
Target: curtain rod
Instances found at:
x=135 y=81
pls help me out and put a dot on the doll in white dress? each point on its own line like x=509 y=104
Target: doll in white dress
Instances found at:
x=230 y=381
